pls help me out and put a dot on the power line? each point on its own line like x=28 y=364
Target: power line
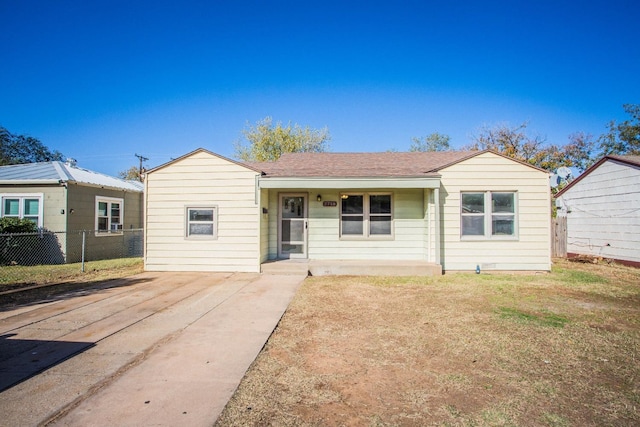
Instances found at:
x=142 y=159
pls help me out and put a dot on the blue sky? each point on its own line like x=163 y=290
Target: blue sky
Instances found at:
x=102 y=80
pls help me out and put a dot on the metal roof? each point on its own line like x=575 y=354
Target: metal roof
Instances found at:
x=58 y=173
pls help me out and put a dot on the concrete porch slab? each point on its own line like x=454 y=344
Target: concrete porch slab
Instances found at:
x=286 y=267
x=352 y=267
x=373 y=268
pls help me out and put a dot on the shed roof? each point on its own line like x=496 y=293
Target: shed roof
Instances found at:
x=59 y=172
x=631 y=160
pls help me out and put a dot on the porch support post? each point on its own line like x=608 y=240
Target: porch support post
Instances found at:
x=436 y=204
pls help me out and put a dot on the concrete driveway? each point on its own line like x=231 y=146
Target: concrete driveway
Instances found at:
x=155 y=349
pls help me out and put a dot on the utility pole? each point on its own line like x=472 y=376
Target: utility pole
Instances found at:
x=142 y=159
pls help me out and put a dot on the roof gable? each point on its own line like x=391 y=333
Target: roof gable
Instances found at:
x=495 y=153
x=202 y=150
x=633 y=161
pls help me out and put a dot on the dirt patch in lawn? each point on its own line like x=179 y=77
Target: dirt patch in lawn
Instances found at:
x=557 y=349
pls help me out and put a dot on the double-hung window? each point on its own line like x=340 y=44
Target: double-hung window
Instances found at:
x=366 y=215
x=23 y=206
x=109 y=215
x=202 y=222
x=488 y=215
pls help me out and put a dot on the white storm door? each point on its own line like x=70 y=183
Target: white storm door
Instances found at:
x=292 y=230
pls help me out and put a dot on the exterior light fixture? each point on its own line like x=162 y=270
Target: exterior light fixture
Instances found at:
x=319 y=198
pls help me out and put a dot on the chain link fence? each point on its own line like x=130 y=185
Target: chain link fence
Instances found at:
x=21 y=251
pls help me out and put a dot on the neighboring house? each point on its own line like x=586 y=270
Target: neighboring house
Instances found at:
x=63 y=198
x=450 y=210
x=602 y=207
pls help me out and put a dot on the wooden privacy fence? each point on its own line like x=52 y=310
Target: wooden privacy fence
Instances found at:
x=559 y=236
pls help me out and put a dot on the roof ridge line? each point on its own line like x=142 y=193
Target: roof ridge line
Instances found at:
x=61 y=169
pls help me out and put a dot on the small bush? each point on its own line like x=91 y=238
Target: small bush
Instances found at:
x=17 y=225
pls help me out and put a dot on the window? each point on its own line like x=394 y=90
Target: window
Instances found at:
x=365 y=215
x=25 y=206
x=202 y=222
x=488 y=215
x=109 y=215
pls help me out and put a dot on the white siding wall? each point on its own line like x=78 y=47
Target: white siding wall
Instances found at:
x=202 y=179
x=324 y=240
x=490 y=172
x=604 y=218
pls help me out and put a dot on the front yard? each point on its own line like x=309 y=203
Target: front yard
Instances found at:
x=558 y=349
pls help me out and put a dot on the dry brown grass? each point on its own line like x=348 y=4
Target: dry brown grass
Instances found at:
x=18 y=277
x=558 y=349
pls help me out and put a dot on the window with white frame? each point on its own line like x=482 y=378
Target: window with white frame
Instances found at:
x=488 y=215
x=23 y=206
x=366 y=215
x=109 y=215
x=202 y=222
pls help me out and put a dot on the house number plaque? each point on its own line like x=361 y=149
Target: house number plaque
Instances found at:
x=329 y=204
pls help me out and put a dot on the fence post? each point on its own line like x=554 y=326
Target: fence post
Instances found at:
x=83 y=241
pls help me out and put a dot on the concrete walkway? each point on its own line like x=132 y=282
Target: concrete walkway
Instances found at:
x=156 y=349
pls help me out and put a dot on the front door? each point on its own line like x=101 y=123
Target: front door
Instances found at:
x=292 y=232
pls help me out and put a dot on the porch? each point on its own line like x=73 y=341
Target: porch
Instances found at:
x=351 y=267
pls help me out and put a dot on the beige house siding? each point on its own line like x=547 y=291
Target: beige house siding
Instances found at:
x=491 y=172
x=82 y=199
x=54 y=200
x=202 y=179
x=323 y=237
x=58 y=203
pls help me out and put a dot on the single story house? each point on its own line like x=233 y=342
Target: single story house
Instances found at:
x=442 y=210
x=602 y=207
x=65 y=199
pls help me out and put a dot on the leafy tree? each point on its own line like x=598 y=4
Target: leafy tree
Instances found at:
x=623 y=138
x=432 y=142
x=580 y=150
x=17 y=149
x=516 y=143
x=510 y=141
x=131 y=174
x=267 y=142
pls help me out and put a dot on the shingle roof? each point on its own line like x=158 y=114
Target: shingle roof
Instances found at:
x=627 y=159
x=55 y=172
x=385 y=164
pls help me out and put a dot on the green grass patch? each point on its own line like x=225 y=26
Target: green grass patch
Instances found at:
x=543 y=319
x=570 y=276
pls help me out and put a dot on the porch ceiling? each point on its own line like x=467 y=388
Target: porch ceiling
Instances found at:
x=342 y=183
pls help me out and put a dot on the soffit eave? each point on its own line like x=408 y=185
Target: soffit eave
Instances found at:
x=342 y=183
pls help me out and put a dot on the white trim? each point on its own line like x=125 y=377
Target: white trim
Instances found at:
x=488 y=217
x=109 y=201
x=22 y=196
x=305 y=220
x=188 y=236
x=341 y=183
x=366 y=215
